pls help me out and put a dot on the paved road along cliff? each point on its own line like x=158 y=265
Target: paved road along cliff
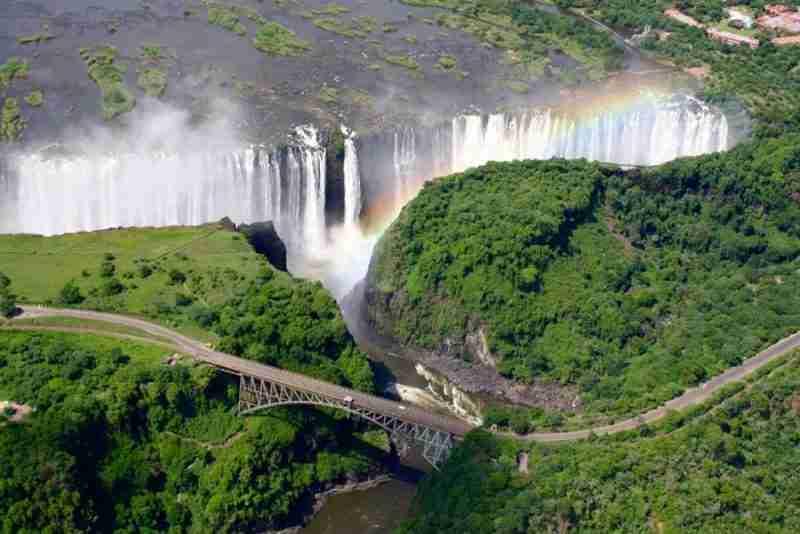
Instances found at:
x=457 y=427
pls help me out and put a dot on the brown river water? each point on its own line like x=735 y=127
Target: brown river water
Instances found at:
x=375 y=511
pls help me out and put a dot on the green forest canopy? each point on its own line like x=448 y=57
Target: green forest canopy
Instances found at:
x=735 y=469
x=632 y=285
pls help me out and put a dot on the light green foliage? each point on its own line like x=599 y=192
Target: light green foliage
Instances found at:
x=329 y=95
x=404 y=61
x=333 y=9
x=13 y=69
x=518 y=87
x=274 y=39
x=447 y=63
x=731 y=471
x=11 y=122
x=35 y=98
x=37 y=38
x=152 y=81
x=338 y=27
x=633 y=297
x=213 y=267
x=410 y=39
x=109 y=76
x=152 y=53
x=225 y=17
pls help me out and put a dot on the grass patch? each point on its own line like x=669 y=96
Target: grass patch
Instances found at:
x=74 y=322
x=338 y=27
x=36 y=38
x=518 y=87
x=11 y=122
x=498 y=34
x=366 y=24
x=152 y=53
x=245 y=89
x=13 y=69
x=108 y=75
x=171 y=274
x=447 y=63
x=277 y=40
x=411 y=39
x=333 y=10
x=403 y=61
x=329 y=95
x=225 y=17
x=153 y=82
x=388 y=28
x=139 y=353
x=35 y=98
x=361 y=98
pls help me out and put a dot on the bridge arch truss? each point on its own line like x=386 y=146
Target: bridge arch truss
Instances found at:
x=257 y=394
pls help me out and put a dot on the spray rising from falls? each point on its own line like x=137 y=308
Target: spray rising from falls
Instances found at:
x=79 y=193
x=381 y=172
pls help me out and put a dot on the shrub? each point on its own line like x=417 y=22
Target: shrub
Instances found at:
x=70 y=294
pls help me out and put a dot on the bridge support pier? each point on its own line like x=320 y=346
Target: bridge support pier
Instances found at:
x=258 y=394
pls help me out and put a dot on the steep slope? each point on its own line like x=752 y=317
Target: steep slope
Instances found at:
x=669 y=276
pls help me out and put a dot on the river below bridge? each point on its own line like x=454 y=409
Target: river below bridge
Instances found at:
x=378 y=510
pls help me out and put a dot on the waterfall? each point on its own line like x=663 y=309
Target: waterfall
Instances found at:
x=352 y=180
x=653 y=132
x=64 y=194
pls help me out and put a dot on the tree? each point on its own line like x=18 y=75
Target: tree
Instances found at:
x=70 y=294
x=8 y=304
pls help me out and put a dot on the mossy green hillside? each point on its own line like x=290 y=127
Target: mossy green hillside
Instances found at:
x=168 y=273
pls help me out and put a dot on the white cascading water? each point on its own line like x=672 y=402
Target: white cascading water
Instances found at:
x=69 y=194
x=57 y=195
x=650 y=134
x=352 y=180
x=405 y=155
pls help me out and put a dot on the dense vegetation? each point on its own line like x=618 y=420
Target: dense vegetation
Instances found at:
x=734 y=470
x=121 y=442
x=632 y=285
x=764 y=80
x=534 y=35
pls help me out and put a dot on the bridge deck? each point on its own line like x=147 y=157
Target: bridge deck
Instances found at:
x=240 y=366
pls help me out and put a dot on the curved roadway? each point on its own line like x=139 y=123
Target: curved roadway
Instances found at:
x=240 y=366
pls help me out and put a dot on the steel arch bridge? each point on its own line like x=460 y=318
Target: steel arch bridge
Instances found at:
x=257 y=394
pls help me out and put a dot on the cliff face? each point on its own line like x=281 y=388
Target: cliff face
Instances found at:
x=265 y=240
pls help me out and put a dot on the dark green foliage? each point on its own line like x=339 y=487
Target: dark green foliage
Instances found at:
x=123 y=443
x=11 y=122
x=70 y=294
x=8 y=301
x=292 y=324
x=735 y=470
x=177 y=277
x=107 y=269
x=633 y=297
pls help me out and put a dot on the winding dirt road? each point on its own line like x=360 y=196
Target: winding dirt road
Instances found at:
x=240 y=366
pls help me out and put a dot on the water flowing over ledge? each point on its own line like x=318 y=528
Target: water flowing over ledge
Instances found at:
x=380 y=172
